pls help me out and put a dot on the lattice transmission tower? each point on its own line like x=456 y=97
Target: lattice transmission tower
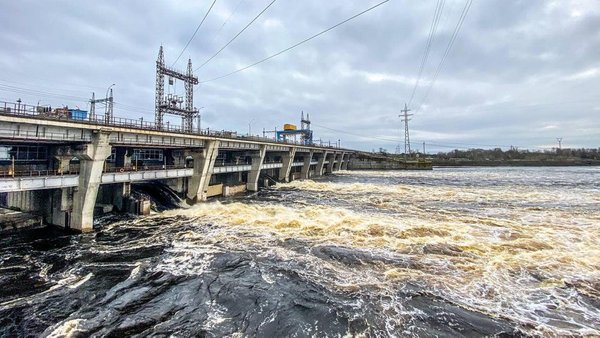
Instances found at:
x=405 y=118
x=171 y=103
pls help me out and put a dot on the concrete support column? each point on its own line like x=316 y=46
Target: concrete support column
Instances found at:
x=321 y=164
x=346 y=160
x=257 y=161
x=64 y=162
x=123 y=157
x=329 y=166
x=204 y=164
x=120 y=194
x=340 y=159
x=61 y=206
x=287 y=159
x=91 y=162
x=305 y=173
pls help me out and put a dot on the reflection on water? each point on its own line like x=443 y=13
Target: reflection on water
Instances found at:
x=453 y=252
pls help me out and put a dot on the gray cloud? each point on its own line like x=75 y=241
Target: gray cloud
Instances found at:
x=521 y=72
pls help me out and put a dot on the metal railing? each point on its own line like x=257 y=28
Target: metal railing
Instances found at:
x=35 y=173
x=25 y=110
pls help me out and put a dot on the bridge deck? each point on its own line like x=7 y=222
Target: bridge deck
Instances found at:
x=24 y=183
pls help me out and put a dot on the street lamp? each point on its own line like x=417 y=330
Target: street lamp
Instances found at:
x=109 y=106
x=107 y=89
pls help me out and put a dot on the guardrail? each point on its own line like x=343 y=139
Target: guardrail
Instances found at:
x=20 y=109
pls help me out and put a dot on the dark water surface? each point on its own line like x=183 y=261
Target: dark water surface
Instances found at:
x=453 y=252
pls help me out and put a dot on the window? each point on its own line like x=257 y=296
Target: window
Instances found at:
x=23 y=153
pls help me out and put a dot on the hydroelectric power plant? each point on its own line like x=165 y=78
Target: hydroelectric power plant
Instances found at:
x=63 y=164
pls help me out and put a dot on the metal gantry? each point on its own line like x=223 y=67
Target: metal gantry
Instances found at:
x=172 y=104
x=108 y=111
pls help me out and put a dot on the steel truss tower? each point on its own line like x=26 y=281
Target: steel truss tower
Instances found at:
x=171 y=104
x=405 y=119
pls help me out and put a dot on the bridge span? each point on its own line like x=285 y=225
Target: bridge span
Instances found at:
x=63 y=167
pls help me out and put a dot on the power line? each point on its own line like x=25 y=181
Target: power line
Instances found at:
x=54 y=87
x=33 y=92
x=457 y=28
x=193 y=35
x=446 y=145
x=297 y=44
x=235 y=37
x=230 y=15
x=432 y=30
x=354 y=134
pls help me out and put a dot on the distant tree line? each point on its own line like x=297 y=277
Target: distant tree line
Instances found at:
x=515 y=156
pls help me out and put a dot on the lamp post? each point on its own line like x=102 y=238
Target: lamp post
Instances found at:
x=107 y=89
x=109 y=105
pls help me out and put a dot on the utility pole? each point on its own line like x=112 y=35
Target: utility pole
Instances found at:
x=559 y=139
x=405 y=119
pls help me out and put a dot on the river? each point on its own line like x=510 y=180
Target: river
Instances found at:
x=449 y=252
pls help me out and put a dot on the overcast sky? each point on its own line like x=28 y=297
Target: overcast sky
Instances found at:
x=520 y=73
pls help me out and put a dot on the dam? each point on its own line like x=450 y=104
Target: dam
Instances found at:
x=72 y=163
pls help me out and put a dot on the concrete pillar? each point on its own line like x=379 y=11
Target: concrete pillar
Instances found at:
x=287 y=159
x=346 y=160
x=321 y=164
x=123 y=157
x=91 y=162
x=329 y=166
x=64 y=162
x=62 y=156
x=305 y=173
x=204 y=164
x=119 y=194
x=340 y=159
x=62 y=203
x=257 y=161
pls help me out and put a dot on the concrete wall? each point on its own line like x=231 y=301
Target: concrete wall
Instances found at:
x=214 y=190
x=234 y=189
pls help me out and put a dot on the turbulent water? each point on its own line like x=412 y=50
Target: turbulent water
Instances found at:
x=450 y=252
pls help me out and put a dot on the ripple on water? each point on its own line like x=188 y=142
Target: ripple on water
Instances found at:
x=451 y=252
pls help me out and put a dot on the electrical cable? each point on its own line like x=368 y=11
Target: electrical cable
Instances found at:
x=453 y=38
x=297 y=44
x=33 y=92
x=235 y=37
x=229 y=17
x=193 y=35
x=432 y=30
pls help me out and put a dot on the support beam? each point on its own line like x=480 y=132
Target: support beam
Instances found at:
x=63 y=157
x=257 y=160
x=340 y=159
x=64 y=162
x=305 y=173
x=91 y=165
x=331 y=158
x=319 y=170
x=204 y=164
x=287 y=159
x=346 y=160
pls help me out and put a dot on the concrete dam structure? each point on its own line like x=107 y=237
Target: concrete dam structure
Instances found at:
x=63 y=168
